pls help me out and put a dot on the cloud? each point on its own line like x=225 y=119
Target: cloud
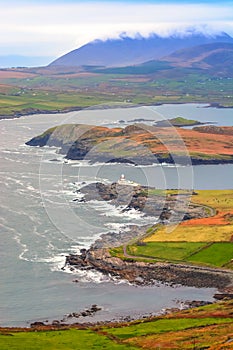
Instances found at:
x=51 y=29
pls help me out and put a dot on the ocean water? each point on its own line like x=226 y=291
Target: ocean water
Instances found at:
x=42 y=221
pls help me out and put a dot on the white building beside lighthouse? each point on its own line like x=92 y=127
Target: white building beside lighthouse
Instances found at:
x=123 y=181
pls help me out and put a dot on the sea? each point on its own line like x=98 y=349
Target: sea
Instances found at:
x=43 y=219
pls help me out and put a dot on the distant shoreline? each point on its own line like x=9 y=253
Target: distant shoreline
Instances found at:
x=31 y=111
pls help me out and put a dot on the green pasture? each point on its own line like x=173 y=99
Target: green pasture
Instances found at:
x=58 y=92
x=72 y=339
x=165 y=250
x=217 y=254
x=163 y=326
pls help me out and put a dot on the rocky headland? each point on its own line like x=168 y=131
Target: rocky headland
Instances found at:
x=149 y=201
x=141 y=144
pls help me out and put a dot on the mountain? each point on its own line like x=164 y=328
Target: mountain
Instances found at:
x=130 y=51
x=215 y=59
x=203 y=56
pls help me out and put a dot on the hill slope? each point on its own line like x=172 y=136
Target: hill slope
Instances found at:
x=127 y=51
x=203 y=56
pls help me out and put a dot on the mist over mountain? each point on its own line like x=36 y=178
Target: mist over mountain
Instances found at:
x=130 y=51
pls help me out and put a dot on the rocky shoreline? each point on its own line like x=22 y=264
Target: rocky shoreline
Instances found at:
x=166 y=210
x=146 y=273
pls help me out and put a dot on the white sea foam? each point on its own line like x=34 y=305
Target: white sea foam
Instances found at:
x=14 y=160
x=92 y=276
x=23 y=246
x=57 y=262
x=31 y=188
x=26 y=127
x=168 y=165
x=78 y=163
x=81 y=275
x=86 y=242
x=86 y=163
x=110 y=210
x=6 y=151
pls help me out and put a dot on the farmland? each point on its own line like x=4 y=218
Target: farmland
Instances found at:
x=206 y=241
x=25 y=91
x=203 y=327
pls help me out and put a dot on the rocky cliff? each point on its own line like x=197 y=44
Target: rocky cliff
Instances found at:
x=140 y=144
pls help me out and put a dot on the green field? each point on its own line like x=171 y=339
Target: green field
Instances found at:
x=217 y=254
x=205 y=241
x=163 y=326
x=54 y=91
x=199 y=328
x=72 y=339
x=166 y=250
x=48 y=101
x=202 y=253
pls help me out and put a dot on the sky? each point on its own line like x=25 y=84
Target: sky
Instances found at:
x=54 y=27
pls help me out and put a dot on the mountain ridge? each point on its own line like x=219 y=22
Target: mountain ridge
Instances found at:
x=201 y=53
x=127 y=51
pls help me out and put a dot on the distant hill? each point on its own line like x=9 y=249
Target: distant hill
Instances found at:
x=203 y=56
x=131 y=51
x=214 y=58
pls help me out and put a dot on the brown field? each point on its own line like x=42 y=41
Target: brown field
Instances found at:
x=207 y=143
x=198 y=338
x=219 y=219
x=137 y=79
x=218 y=227
x=11 y=74
x=76 y=75
x=175 y=140
x=4 y=88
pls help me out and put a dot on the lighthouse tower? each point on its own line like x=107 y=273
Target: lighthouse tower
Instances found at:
x=123 y=181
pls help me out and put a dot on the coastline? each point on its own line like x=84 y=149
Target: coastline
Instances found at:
x=32 y=111
x=147 y=273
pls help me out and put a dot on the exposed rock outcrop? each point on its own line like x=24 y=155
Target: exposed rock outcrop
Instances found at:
x=172 y=208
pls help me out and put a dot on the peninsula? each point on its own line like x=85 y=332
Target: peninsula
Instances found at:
x=141 y=144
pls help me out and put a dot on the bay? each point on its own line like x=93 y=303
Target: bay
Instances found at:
x=41 y=223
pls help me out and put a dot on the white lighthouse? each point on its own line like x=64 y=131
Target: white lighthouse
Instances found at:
x=123 y=181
